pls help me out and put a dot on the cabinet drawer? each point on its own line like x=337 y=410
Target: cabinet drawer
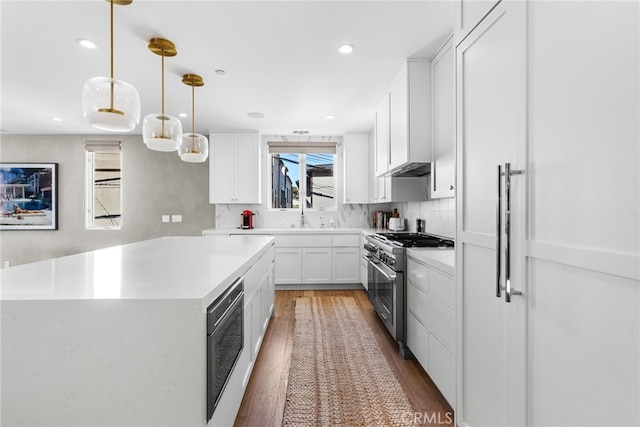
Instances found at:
x=303 y=241
x=440 y=322
x=417 y=303
x=348 y=240
x=443 y=289
x=418 y=274
x=442 y=369
x=418 y=340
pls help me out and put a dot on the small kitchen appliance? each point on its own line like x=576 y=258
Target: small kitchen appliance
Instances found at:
x=247 y=219
x=396 y=224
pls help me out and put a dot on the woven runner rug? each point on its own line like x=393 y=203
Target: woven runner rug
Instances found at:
x=339 y=375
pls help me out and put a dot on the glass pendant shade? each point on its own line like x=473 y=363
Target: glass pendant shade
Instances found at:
x=194 y=148
x=121 y=115
x=161 y=132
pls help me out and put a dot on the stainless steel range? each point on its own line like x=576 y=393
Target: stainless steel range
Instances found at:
x=386 y=257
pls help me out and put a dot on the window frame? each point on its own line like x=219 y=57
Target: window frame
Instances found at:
x=91 y=149
x=303 y=184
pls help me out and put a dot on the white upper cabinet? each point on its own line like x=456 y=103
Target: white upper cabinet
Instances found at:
x=381 y=160
x=234 y=167
x=409 y=116
x=443 y=122
x=468 y=14
x=356 y=168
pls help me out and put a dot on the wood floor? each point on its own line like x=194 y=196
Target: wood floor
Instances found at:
x=264 y=399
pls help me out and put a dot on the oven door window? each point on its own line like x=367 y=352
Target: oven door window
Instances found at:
x=224 y=347
x=383 y=294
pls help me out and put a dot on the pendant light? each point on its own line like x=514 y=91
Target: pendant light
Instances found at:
x=194 y=148
x=110 y=104
x=161 y=132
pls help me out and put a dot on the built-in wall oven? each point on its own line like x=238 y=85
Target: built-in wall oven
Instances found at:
x=386 y=257
x=225 y=340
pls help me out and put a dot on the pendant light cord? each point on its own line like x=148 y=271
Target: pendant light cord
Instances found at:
x=163 y=118
x=193 y=119
x=111 y=29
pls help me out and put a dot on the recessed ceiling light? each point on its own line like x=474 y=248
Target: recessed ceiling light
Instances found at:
x=255 y=115
x=87 y=43
x=330 y=117
x=220 y=72
x=56 y=119
x=183 y=114
x=346 y=48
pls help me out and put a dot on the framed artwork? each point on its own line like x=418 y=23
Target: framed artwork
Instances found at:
x=28 y=196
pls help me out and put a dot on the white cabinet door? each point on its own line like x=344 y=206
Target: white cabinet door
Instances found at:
x=398 y=120
x=316 y=265
x=288 y=266
x=491 y=130
x=382 y=136
x=234 y=167
x=584 y=233
x=346 y=265
x=468 y=13
x=222 y=186
x=356 y=175
x=256 y=321
x=443 y=120
x=247 y=161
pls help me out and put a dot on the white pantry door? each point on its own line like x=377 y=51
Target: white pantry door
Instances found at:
x=491 y=131
x=583 y=263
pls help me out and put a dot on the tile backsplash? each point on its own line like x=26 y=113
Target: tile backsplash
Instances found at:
x=347 y=216
x=439 y=215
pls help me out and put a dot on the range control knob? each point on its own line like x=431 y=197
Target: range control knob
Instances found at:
x=392 y=262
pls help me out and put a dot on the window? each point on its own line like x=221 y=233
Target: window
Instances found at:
x=302 y=172
x=103 y=201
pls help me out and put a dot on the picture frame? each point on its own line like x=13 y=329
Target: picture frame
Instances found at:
x=28 y=196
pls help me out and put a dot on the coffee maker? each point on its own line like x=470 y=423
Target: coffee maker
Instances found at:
x=247 y=219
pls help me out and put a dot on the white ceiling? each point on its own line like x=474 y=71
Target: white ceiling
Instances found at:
x=280 y=59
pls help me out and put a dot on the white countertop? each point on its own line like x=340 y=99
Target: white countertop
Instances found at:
x=442 y=259
x=163 y=268
x=271 y=231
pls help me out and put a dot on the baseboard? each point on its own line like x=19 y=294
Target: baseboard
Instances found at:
x=319 y=287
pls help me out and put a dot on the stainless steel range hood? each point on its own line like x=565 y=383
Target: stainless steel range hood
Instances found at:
x=412 y=170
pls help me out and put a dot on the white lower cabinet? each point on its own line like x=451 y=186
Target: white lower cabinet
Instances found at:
x=317 y=259
x=346 y=265
x=288 y=265
x=431 y=324
x=316 y=265
x=256 y=320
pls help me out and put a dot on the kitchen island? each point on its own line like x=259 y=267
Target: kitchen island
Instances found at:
x=118 y=336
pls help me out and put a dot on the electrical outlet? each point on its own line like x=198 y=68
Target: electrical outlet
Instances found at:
x=166 y=218
x=176 y=218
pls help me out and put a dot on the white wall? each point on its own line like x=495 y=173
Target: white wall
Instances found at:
x=153 y=184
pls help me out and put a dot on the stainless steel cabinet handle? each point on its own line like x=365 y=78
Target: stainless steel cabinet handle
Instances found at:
x=499 y=232
x=507 y=232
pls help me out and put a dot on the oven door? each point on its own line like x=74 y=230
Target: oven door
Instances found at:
x=224 y=346
x=385 y=291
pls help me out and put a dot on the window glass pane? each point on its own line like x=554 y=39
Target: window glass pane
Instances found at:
x=285 y=181
x=320 y=181
x=104 y=199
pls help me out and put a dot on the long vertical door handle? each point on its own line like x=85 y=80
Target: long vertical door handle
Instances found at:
x=507 y=231
x=499 y=232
